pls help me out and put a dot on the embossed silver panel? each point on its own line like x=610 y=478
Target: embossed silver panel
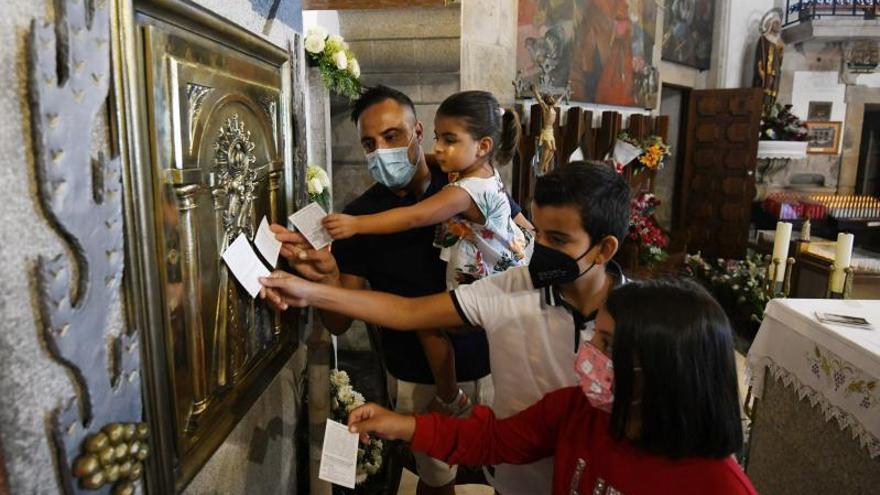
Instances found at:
x=209 y=129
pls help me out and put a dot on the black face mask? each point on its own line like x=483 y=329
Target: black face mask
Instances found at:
x=549 y=266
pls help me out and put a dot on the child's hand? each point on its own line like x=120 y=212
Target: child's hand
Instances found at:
x=340 y=226
x=371 y=418
x=283 y=290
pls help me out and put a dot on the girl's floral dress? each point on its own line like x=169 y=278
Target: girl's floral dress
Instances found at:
x=473 y=251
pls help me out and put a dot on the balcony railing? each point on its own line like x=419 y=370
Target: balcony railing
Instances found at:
x=805 y=10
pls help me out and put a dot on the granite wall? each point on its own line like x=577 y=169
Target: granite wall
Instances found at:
x=257 y=456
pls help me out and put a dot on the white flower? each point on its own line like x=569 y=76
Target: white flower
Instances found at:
x=354 y=68
x=335 y=39
x=340 y=60
x=314 y=43
x=317 y=30
x=315 y=187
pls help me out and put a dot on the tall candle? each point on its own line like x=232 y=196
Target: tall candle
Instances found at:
x=842 y=258
x=780 y=248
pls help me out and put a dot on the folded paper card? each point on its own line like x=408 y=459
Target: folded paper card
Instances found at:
x=245 y=265
x=339 y=455
x=267 y=244
x=308 y=222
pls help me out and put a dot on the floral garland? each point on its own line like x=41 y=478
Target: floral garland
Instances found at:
x=654 y=152
x=318 y=186
x=343 y=400
x=644 y=231
x=339 y=69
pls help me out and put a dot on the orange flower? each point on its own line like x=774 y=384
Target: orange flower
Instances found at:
x=460 y=230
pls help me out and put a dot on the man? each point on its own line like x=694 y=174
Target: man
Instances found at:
x=534 y=316
x=406 y=264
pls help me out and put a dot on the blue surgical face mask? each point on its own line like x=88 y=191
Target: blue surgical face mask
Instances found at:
x=391 y=166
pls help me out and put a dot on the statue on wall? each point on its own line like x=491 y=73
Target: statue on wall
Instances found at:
x=768 y=57
x=546 y=146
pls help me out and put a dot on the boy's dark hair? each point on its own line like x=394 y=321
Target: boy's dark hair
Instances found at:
x=377 y=94
x=483 y=118
x=689 y=396
x=600 y=194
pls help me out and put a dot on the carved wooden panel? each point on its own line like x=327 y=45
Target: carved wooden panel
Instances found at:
x=210 y=110
x=718 y=184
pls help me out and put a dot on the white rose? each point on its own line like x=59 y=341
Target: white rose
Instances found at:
x=315 y=187
x=340 y=60
x=335 y=39
x=314 y=43
x=317 y=30
x=355 y=68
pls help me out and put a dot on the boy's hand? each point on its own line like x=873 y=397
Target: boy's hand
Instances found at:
x=371 y=418
x=317 y=266
x=340 y=226
x=283 y=290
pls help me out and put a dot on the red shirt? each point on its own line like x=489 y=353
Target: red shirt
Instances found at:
x=564 y=424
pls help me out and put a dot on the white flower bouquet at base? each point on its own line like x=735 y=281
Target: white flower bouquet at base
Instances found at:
x=343 y=400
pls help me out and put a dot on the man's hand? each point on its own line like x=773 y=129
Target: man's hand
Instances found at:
x=371 y=418
x=283 y=290
x=340 y=226
x=317 y=266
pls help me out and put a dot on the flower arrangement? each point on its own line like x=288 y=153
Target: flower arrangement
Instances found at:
x=779 y=124
x=644 y=231
x=739 y=285
x=343 y=400
x=339 y=69
x=318 y=186
x=654 y=152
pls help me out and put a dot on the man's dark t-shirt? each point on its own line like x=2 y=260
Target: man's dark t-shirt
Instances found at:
x=408 y=264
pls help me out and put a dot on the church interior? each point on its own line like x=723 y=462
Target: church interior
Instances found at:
x=339 y=246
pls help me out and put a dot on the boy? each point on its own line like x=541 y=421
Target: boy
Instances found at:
x=534 y=316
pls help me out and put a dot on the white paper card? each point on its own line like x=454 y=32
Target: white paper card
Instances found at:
x=308 y=222
x=339 y=455
x=267 y=244
x=245 y=265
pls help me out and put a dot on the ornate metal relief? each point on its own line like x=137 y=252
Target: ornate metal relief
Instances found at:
x=211 y=150
x=81 y=197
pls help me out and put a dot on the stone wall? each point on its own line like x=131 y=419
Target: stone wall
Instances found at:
x=31 y=384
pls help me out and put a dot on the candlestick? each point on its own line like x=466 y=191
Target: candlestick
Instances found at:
x=842 y=258
x=780 y=247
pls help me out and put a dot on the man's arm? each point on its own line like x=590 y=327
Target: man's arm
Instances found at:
x=379 y=308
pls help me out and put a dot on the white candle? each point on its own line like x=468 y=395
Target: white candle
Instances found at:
x=842 y=258
x=780 y=248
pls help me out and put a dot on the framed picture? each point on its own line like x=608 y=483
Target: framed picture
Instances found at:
x=824 y=137
x=819 y=110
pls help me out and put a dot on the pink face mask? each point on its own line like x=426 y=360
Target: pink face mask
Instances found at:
x=595 y=376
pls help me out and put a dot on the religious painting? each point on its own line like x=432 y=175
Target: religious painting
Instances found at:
x=823 y=138
x=601 y=48
x=819 y=110
x=687 y=32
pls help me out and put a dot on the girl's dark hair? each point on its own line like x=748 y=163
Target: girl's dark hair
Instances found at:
x=483 y=118
x=681 y=339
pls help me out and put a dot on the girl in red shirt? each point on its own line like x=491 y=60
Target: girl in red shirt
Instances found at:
x=657 y=410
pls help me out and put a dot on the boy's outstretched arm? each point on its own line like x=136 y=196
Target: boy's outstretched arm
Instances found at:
x=283 y=290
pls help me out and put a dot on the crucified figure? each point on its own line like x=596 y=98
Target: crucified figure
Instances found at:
x=547 y=139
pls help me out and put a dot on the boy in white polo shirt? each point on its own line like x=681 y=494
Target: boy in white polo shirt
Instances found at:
x=534 y=316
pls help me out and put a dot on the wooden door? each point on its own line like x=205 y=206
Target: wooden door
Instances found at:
x=719 y=182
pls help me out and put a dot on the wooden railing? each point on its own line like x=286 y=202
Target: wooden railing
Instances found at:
x=596 y=143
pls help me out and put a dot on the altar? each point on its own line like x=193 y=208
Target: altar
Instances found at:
x=816 y=416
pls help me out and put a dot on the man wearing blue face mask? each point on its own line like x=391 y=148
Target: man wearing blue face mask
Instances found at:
x=535 y=317
x=406 y=263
